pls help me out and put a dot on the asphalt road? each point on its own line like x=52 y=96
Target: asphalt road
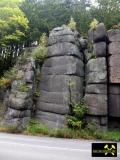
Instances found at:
x=20 y=147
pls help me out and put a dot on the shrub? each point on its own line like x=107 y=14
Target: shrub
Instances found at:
x=77 y=120
x=72 y=24
x=35 y=127
x=94 y=24
x=23 y=88
x=43 y=39
x=40 y=53
x=7 y=78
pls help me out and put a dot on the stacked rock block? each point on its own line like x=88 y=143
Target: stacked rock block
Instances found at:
x=19 y=100
x=96 y=77
x=61 y=77
x=114 y=75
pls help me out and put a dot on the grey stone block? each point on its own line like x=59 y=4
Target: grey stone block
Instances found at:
x=61 y=83
x=114 y=35
x=96 y=71
x=54 y=97
x=96 y=77
x=61 y=31
x=114 y=89
x=61 y=60
x=52 y=107
x=12 y=113
x=19 y=103
x=97 y=104
x=114 y=48
x=61 y=49
x=67 y=69
x=96 y=65
x=51 y=119
x=96 y=89
x=114 y=105
x=59 y=38
x=100 y=49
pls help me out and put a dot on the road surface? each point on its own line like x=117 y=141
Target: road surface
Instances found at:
x=20 y=147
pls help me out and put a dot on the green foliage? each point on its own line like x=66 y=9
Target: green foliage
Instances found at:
x=77 y=120
x=23 y=88
x=37 y=94
x=35 y=127
x=43 y=39
x=72 y=24
x=7 y=78
x=93 y=56
x=94 y=24
x=13 y=25
x=40 y=53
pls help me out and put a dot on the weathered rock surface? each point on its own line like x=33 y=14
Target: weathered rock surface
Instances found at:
x=51 y=119
x=100 y=49
x=62 y=76
x=96 y=89
x=19 y=101
x=97 y=104
x=114 y=35
x=96 y=71
x=62 y=49
x=114 y=105
x=114 y=48
x=64 y=65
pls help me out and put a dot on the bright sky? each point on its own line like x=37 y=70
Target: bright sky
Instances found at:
x=93 y=2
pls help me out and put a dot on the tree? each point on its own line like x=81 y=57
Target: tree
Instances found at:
x=13 y=25
x=107 y=11
x=13 y=29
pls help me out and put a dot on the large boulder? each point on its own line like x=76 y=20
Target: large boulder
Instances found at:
x=64 y=65
x=62 y=49
x=98 y=34
x=96 y=71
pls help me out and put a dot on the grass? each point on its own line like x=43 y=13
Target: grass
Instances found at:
x=36 y=128
x=9 y=129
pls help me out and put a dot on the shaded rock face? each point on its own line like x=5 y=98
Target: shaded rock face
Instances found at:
x=19 y=102
x=114 y=75
x=96 y=77
x=62 y=76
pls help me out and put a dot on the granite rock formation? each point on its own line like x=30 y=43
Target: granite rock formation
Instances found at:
x=62 y=76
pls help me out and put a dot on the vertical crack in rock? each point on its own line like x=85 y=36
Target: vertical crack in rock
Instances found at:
x=96 y=95
x=62 y=77
x=114 y=77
